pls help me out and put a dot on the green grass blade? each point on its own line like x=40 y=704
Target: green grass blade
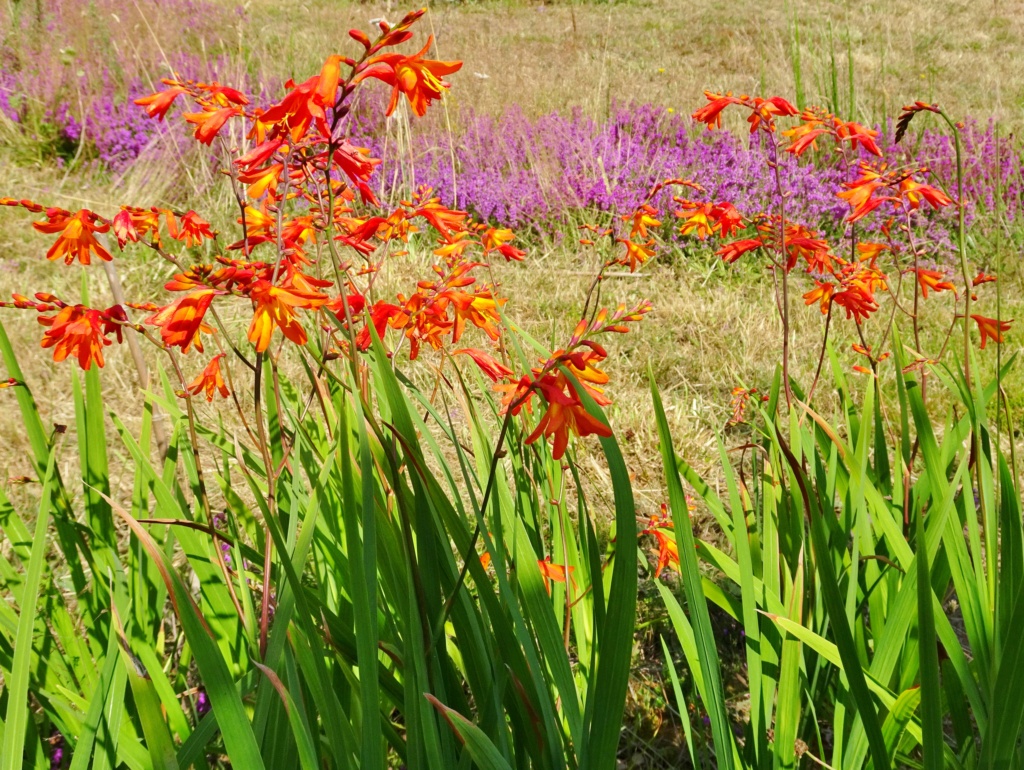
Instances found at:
x=677 y=690
x=93 y=744
x=829 y=586
x=478 y=745
x=224 y=696
x=607 y=697
x=362 y=539
x=299 y=728
x=704 y=634
x=928 y=657
x=18 y=715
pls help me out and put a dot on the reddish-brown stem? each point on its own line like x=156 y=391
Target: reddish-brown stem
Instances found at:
x=821 y=356
x=774 y=162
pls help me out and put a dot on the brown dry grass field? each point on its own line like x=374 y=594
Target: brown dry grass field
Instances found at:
x=966 y=55
x=712 y=328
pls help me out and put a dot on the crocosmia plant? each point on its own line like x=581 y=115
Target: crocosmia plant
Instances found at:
x=359 y=571
x=354 y=526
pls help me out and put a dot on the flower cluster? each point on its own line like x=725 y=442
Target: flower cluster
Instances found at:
x=314 y=238
x=567 y=374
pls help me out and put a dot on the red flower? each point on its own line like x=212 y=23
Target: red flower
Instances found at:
x=565 y=414
x=418 y=78
x=730 y=252
x=77 y=239
x=210 y=380
x=209 y=122
x=157 y=104
x=991 y=329
x=490 y=366
x=181 y=322
x=711 y=113
x=76 y=331
x=192 y=229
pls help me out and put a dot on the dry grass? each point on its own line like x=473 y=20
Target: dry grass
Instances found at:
x=968 y=56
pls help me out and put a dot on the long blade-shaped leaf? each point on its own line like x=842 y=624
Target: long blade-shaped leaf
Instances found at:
x=17 y=693
x=707 y=652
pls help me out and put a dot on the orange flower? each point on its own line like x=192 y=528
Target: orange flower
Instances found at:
x=479 y=309
x=76 y=331
x=192 y=229
x=260 y=154
x=869 y=252
x=210 y=380
x=418 y=78
x=661 y=528
x=698 y=218
x=500 y=240
x=304 y=104
x=711 y=113
x=131 y=224
x=932 y=279
x=802 y=243
x=730 y=252
x=643 y=217
x=490 y=366
x=181 y=322
x=275 y=306
x=358 y=166
x=857 y=300
x=636 y=253
x=804 y=135
x=209 y=123
x=726 y=218
x=157 y=104
x=77 y=239
x=982 y=278
x=915 y=192
x=442 y=219
x=554 y=573
x=821 y=293
x=860 y=193
x=991 y=329
x=381 y=315
x=565 y=414
x=261 y=179
x=764 y=111
x=668 y=552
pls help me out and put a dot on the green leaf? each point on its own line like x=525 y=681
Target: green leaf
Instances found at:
x=17 y=718
x=707 y=652
x=224 y=696
x=478 y=745
x=928 y=656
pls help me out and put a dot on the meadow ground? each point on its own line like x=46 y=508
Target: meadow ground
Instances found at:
x=713 y=327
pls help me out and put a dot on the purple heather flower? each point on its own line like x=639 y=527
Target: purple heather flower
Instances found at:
x=57 y=755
